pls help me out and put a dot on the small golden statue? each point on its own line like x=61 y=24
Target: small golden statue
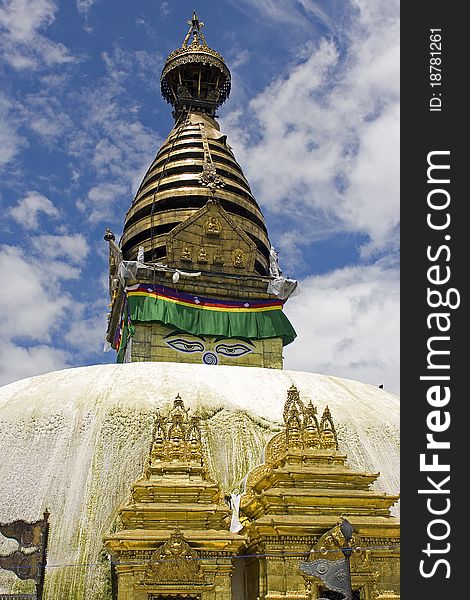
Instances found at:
x=213 y=228
x=239 y=259
x=202 y=256
x=218 y=258
x=186 y=255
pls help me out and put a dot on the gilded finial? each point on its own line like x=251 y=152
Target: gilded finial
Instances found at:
x=195 y=77
x=195 y=26
x=302 y=428
x=329 y=438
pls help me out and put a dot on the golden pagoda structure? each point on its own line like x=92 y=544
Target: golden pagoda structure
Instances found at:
x=174 y=538
x=293 y=503
x=195 y=278
x=177 y=537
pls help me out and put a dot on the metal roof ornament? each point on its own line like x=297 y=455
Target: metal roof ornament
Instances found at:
x=195 y=77
x=195 y=26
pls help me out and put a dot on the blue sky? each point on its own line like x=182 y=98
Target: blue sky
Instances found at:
x=312 y=118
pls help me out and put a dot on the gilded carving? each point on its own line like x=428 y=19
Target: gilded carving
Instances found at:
x=257 y=474
x=302 y=434
x=194 y=442
x=209 y=177
x=363 y=573
x=206 y=55
x=218 y=258
x=202 y=256
x=276 y=448
x=327 y=430
x=177 y=437
x=294 y=428
x=312 y=428
x=158 y=447
x=302 y=427
x=186 y=254
x=330 y=544
x=239 y=258
x=302 y=430
x=293 y=402
x=212 y=227
x=246 y=498
x=174 y=561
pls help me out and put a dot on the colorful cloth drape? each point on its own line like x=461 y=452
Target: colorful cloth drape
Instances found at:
x=123 y=331
x=251 y=319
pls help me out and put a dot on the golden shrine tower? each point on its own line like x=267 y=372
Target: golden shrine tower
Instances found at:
x=198 y=279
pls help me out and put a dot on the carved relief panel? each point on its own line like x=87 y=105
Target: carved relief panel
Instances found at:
x=210 y=240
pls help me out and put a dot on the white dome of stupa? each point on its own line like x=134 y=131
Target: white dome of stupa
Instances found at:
x=73 y=441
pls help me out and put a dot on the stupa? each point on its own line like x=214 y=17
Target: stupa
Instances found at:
x=197 y=467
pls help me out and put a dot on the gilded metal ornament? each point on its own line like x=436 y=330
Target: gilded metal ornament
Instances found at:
x=212 y=227
x=177 y=437
x=239 y=258
x=175 y=561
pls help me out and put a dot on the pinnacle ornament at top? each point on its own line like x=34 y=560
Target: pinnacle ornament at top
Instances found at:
x=195 y=77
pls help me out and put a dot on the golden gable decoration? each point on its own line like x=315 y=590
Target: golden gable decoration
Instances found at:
x=210 y=238
x=175 y=561
x=293 y=505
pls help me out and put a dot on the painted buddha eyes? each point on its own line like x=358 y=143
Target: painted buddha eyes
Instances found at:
x=185 y=345
x=233 y=350
x=230 y=350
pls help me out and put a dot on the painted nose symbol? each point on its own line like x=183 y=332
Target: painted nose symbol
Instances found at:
x=209 y=358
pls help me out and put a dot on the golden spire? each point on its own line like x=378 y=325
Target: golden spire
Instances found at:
x=195 y=78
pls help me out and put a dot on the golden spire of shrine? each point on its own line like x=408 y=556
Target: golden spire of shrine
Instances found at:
x=195 y=77
x=195 y=231
x=194 y=165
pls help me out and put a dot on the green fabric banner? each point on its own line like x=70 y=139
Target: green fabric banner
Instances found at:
x=255 y=325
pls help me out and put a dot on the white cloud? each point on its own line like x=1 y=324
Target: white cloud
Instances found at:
x=291 y=12
x=73 y=248
x=164 y=9
x=10 y=140
x=87 y=335
x=84 y=6
x=26 y=212
x=115 y=146
x=123 y=64
x=324 y=144
x=22 y=44
x=101 y=198
x=348 y=325
x=38 y=310
x=44 y=114
x=17 y=362
x=31 y=301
